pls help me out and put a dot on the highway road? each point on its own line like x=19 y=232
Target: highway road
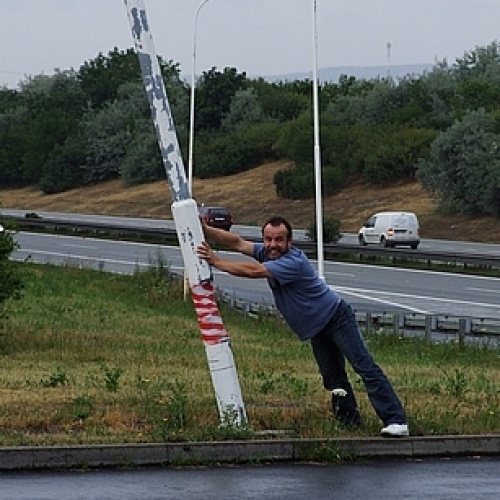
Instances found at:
x=376 y=480
x=254 y=232
x=366 y=287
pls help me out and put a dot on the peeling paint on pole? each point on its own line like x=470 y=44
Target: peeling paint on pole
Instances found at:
x=188 y=226
x=158 y=102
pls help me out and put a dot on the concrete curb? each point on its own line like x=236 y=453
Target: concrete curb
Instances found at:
x=177 y=454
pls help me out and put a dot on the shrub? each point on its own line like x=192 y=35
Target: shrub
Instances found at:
x=463 y=168
x=236 y=152
x=10 y=281
x=299 y=183
x=331 y=230
x=395 y=153
x=295 y=184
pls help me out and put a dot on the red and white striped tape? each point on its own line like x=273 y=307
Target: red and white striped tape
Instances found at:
x=207 y=312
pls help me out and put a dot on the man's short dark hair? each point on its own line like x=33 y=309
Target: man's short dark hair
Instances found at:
x=276 y=221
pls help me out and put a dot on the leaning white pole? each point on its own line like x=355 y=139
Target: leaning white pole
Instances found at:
x=189 y=231
x=317 y=152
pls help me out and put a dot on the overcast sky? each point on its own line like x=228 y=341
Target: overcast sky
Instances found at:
x=260 y=37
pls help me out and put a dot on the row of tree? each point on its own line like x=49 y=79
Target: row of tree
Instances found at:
x=80 y=127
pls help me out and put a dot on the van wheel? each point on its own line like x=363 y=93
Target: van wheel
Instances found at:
x=362 y=240
x=414 y=246
x=383 y=242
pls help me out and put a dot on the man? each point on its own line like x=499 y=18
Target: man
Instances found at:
x=316 y=313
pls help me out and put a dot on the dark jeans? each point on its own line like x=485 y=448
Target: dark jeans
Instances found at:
x=341 y=340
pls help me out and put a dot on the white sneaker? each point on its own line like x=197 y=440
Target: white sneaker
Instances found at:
x=395 y=430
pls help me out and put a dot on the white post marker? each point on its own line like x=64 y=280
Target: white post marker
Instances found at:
x=189 y=231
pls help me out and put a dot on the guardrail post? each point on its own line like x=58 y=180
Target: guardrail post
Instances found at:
x=461 y=332
x=428 y=328
x=434 y=323
x=396 y=324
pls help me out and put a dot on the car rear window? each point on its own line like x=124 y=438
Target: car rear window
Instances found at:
x=404 y=220
x=218 y=212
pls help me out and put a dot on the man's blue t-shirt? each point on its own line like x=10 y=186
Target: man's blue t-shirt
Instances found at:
x=306 y=302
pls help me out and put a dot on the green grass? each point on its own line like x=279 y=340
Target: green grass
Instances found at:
x=92 y=357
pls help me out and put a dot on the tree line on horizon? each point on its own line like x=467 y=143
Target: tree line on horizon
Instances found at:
x=85 y=126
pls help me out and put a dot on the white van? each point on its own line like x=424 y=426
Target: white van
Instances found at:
x=390 y=229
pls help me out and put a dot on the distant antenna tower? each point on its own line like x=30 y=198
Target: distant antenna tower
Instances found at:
x=389 y=47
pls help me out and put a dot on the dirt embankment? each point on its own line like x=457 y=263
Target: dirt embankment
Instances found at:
x=251 y=197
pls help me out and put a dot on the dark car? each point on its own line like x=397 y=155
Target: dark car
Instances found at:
x=216 y=217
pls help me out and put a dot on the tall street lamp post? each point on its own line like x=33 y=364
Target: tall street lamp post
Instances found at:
x=191 y=119
x=317 y=150
x=191 y=110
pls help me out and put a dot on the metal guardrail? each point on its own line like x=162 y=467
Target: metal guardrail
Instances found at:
x=57 y=225
x=330 y=249
x=440 y=323
x=460 y=329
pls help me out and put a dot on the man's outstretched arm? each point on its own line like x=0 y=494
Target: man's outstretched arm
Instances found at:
x=229 y=240
x=236 y=268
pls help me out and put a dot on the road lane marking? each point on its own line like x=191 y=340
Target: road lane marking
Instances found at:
x=76 y=256
x=485 y=290
x=413 y=297
x=85 y=247
x=350 y=291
